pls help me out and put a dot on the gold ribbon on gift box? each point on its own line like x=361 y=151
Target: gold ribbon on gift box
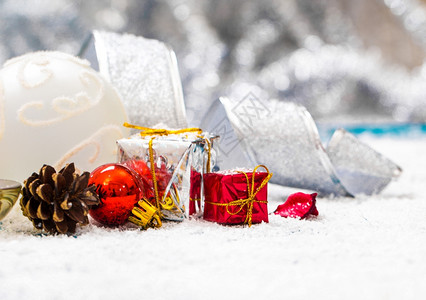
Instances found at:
x=146 y=131
x=250 y=200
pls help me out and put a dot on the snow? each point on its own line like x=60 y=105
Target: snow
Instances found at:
x=364 y=248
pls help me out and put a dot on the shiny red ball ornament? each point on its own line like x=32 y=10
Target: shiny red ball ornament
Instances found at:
x=162 y=176
x=119 y=190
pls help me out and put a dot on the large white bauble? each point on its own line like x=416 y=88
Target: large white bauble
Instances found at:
x=55 y=109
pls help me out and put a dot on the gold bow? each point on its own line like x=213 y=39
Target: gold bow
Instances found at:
x=250 y=200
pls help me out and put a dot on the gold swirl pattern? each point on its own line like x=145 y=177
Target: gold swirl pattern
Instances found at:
x=91 y=141
x=66 y=107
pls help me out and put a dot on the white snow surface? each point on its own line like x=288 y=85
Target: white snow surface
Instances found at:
x=365 y=248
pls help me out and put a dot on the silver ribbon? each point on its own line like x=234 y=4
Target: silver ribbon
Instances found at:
x=361 y=169
x=145 y=73
x=283 y=136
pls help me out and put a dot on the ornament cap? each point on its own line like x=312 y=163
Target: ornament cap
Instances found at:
x=146 y=215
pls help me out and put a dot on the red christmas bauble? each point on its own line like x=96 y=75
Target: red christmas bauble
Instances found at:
x=118 y=189
x=162 y=176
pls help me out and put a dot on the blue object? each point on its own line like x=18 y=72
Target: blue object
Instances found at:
x=380 y=130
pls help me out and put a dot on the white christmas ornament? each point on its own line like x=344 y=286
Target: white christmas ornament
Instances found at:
x=54 y=109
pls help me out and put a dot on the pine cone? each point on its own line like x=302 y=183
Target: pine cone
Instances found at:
x=56 y=202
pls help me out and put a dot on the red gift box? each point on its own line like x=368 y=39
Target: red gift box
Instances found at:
x=195 y=192
x=237 y=197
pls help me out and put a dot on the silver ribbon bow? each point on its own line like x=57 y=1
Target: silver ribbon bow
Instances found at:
x=283 y=136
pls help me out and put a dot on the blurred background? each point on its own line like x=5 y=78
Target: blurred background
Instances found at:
x=347 y=61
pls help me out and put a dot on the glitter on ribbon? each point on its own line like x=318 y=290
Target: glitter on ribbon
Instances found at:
x=286 y=139
x=145 y=73
x=361 y=169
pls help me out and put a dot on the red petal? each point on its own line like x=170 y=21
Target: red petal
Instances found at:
x=298 y=205
x=314 y=211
